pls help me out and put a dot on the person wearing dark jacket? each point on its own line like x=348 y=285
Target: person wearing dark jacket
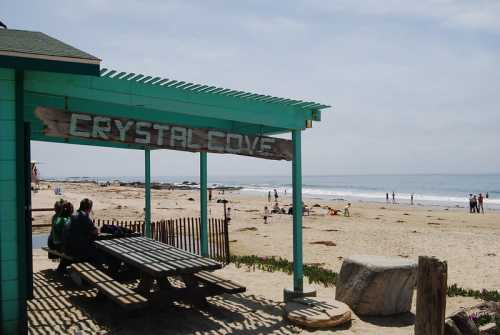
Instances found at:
x=81 y=233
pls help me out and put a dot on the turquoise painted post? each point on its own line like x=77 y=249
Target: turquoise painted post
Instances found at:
x=147 y=192
x=203 y=205
x=11 y=298
x=298 y=275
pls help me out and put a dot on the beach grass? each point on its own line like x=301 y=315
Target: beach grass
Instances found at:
x=319 y=275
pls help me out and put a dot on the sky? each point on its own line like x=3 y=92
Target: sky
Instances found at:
x=413 y=85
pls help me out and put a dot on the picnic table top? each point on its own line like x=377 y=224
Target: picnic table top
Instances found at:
x=155 y=258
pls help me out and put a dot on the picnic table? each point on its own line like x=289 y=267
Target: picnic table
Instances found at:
x=156 y=261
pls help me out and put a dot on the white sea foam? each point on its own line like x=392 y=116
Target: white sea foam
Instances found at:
x=373 y=196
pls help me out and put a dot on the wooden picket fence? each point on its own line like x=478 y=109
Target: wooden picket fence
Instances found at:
x=183 y=233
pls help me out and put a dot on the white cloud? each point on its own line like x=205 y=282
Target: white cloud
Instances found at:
x=479 y=15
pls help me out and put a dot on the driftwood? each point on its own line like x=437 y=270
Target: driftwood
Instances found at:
x=70 y=124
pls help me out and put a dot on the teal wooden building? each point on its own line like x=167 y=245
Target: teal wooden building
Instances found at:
x=40 y=73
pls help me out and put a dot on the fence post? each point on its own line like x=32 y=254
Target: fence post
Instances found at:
x=431 y=296
x=226 y=241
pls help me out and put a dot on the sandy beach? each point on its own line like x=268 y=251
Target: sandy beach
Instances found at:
x=469 y=242
x=466 y=241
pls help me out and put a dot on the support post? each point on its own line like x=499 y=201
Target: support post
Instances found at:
x=203 y=205
x=147 y=192
x=298 y=283
x=431 y=296
x=298 y=263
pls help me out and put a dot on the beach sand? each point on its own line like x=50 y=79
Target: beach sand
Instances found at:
x=257 y=311
x=468 y=242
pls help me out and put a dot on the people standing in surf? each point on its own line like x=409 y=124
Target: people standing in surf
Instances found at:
x=480 y=203
x=269 y=196
x=387 y=197
x=393 y=197
x=275 y=195
x=472 y=203
x=411 y=199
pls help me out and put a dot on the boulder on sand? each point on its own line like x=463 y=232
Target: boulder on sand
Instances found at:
x=376 y=285
x=464 y=323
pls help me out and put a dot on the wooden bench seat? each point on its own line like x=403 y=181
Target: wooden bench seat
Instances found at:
x=59 y=254
x=224 y=285
x=119 y=293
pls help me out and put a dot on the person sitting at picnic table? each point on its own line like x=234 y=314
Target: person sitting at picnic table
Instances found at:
x=60 y=225
x=57 y=212
x=81 y=233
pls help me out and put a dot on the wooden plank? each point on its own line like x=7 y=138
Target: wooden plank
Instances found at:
x=217 y=239
x=156 y=258
x=184 y=246
x=72 y=124
x=59 y=254
x=211 y=238
x=177 y=233
x=226 y=285
x=119 y=293
x=226 y=241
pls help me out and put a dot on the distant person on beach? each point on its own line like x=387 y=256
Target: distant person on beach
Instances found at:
x=472 y=207
x=411 y=199
x=393 y=197
x=476 y=206
x=333 y=211
x=81 y=233
x=305 y=209
x=387 y=197
x=276 y=209
x=347 y=211
x=266 y=214
x=275 y=195
x=269 y=196
x=480 y=203
x=487 y=195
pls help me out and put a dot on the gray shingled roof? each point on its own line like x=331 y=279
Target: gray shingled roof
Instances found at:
x=37 y=43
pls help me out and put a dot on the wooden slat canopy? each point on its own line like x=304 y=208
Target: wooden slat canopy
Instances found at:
x=154 y=99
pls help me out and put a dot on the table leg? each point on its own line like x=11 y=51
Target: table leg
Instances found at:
x=196 y=299
x=145 y=284
x=164 y=284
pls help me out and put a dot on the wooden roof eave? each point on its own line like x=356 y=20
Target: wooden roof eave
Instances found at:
x=184 y=98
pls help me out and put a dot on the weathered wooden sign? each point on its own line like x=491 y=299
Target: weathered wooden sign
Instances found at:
x=68 y=124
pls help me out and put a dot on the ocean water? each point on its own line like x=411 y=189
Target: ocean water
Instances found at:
x=428 y=189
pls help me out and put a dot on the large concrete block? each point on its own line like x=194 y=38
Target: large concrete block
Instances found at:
x=376 y=285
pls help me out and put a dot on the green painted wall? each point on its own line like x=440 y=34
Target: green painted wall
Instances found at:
x=9 y=293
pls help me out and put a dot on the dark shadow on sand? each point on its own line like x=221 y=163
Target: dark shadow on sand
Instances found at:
x=60 y=307
x=399 y=320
